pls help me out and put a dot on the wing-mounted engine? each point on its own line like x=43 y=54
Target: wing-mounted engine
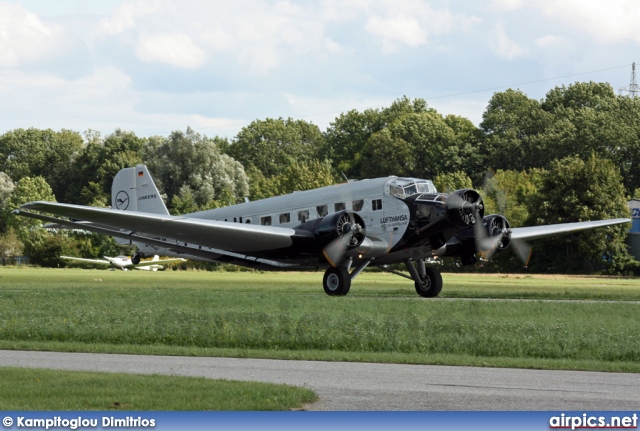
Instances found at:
x=490 y=235
x=347 y=226
x=335 y=235
x=498 y=230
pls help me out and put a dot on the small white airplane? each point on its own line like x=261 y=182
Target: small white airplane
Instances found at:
x=125 y=263
x=341 y=228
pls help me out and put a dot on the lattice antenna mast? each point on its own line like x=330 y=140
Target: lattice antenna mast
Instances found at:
x=632 y=89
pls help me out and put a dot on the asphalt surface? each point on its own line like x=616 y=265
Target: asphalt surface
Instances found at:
x=368 y=386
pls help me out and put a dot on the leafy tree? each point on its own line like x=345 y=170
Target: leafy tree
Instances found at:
x=406 y=138
x=6 y=189
x=27 y=230
x=349 y=134
x=46 y=153
x=190 y=166
x=584 y=121
x=386 y=155
x=99 y=162
x=468 y=146
x=623 y=147
x=577 y=190
x=91 y=245
x=184 y=202
x=304 y=176
x=432 y=142
x=580 y=95
x=27 y=190
x=452 y=181
x=573 y=120
x=272 y=144
x=295 y=177
x=261 y=187
x=10 y=246
x=510 y=123
x=346 y=138
x=45 y=248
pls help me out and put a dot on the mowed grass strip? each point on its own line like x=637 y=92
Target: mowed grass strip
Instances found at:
x=266 y=315
x=37 y=389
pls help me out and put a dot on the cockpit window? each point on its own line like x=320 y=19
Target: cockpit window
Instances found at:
x=396 y=192
x=410 y=190
x=404 y=187
x=426 y=187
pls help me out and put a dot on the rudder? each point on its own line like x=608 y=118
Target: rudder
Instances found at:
x=133 y=189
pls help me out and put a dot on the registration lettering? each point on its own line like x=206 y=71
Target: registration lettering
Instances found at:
x=142 y=198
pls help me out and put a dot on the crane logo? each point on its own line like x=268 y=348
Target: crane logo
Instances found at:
x=122 y=200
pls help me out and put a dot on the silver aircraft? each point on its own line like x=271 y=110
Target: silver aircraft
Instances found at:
x=126 y=263
x=342 y=228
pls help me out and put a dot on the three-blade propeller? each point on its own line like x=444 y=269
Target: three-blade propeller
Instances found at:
x=350 y=234
x=497 y=235
x=489 y=238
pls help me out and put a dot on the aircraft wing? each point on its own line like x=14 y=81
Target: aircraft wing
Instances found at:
x=535 y=232
x=158 y=262
x=227 y=236
x=103 y=262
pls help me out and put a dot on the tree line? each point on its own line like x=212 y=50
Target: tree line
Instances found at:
x=572 y=156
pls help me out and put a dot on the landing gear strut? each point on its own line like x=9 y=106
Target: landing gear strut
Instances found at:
x=428 y=281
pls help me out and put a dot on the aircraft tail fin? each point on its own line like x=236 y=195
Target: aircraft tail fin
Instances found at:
x=133 y=189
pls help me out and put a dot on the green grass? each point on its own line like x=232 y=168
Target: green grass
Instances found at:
x=289 y=316
x=35 y=389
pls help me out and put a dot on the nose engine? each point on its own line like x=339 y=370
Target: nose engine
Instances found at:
x=464 y=208
x=476 y=233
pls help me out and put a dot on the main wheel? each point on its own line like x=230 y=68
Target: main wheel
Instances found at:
x=431 y=286
x=336 y=282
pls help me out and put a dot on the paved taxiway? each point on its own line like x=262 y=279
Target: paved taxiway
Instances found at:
x=367 y=386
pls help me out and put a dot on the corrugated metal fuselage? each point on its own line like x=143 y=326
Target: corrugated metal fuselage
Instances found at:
x=386 y=217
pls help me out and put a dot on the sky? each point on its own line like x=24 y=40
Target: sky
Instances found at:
x=155 y=66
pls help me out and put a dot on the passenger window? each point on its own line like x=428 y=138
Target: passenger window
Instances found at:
x=322 y=210
x=340 y=206
x=376 y=204
x=248 y=221
x=266 y=221
x=303 y=216
x=357 y=205
x=285 y=218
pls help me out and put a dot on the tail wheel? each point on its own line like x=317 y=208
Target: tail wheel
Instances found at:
x=336 y=282
x=431 y=285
